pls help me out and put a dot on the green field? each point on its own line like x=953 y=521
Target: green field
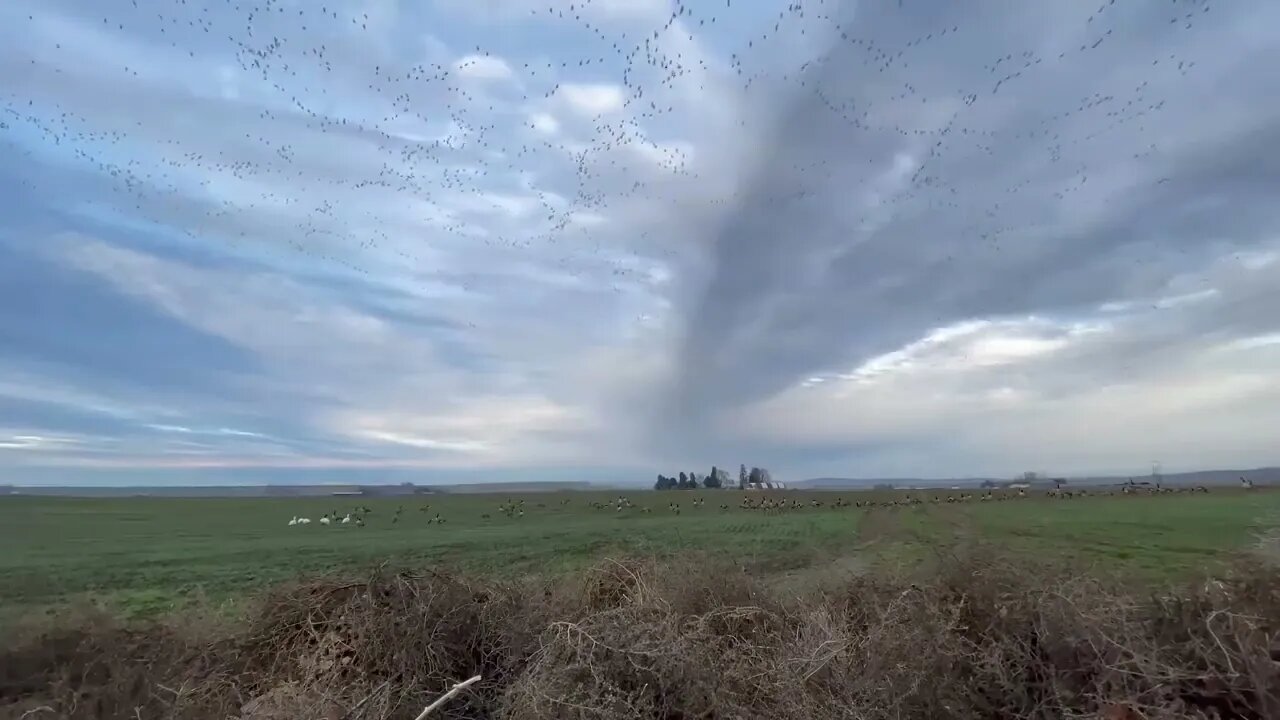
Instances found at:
x=142 y=555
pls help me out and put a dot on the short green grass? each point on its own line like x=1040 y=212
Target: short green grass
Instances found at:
x=1152 y=537
x=143 y=555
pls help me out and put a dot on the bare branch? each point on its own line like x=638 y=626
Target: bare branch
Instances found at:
x=445 y=698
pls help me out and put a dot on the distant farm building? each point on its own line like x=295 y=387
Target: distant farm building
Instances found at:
x=771 y=485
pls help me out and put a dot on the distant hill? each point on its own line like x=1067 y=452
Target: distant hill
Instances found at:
x=516 y=487
x=264 y=491
x=1260 y=476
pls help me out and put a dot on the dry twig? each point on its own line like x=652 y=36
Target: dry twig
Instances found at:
x=445 y=697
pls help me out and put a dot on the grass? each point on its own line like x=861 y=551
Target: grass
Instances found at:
x=144 y=555
x=1157 y=537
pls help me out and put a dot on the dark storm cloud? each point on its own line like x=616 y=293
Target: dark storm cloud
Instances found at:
x=1053 y=159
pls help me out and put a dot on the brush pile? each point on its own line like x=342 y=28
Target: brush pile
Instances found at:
x=677 y=640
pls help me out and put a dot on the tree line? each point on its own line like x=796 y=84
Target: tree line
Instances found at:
x=718 y=478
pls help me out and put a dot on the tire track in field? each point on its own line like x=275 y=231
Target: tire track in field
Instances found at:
x=879 y=526
x=921 y=524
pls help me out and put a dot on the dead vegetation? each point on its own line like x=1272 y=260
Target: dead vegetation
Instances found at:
x=979 y=637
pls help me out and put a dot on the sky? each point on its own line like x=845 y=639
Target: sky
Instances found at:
x=448 y=240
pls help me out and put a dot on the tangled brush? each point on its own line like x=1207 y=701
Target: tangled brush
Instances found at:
x=984 y=637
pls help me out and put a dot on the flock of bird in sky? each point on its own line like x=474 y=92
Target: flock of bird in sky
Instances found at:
x=283 y=44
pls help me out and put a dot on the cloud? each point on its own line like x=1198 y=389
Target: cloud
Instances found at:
x=601 y=11
x=591 y=99
x=544 y=123
x=905 y=192
x=360 y=378
x=1165 y=378
x=483 y=67
x=548 y=237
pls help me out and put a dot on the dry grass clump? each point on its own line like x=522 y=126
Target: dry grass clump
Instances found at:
x=982 y=637
x=84 y=663
x=396 y=641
